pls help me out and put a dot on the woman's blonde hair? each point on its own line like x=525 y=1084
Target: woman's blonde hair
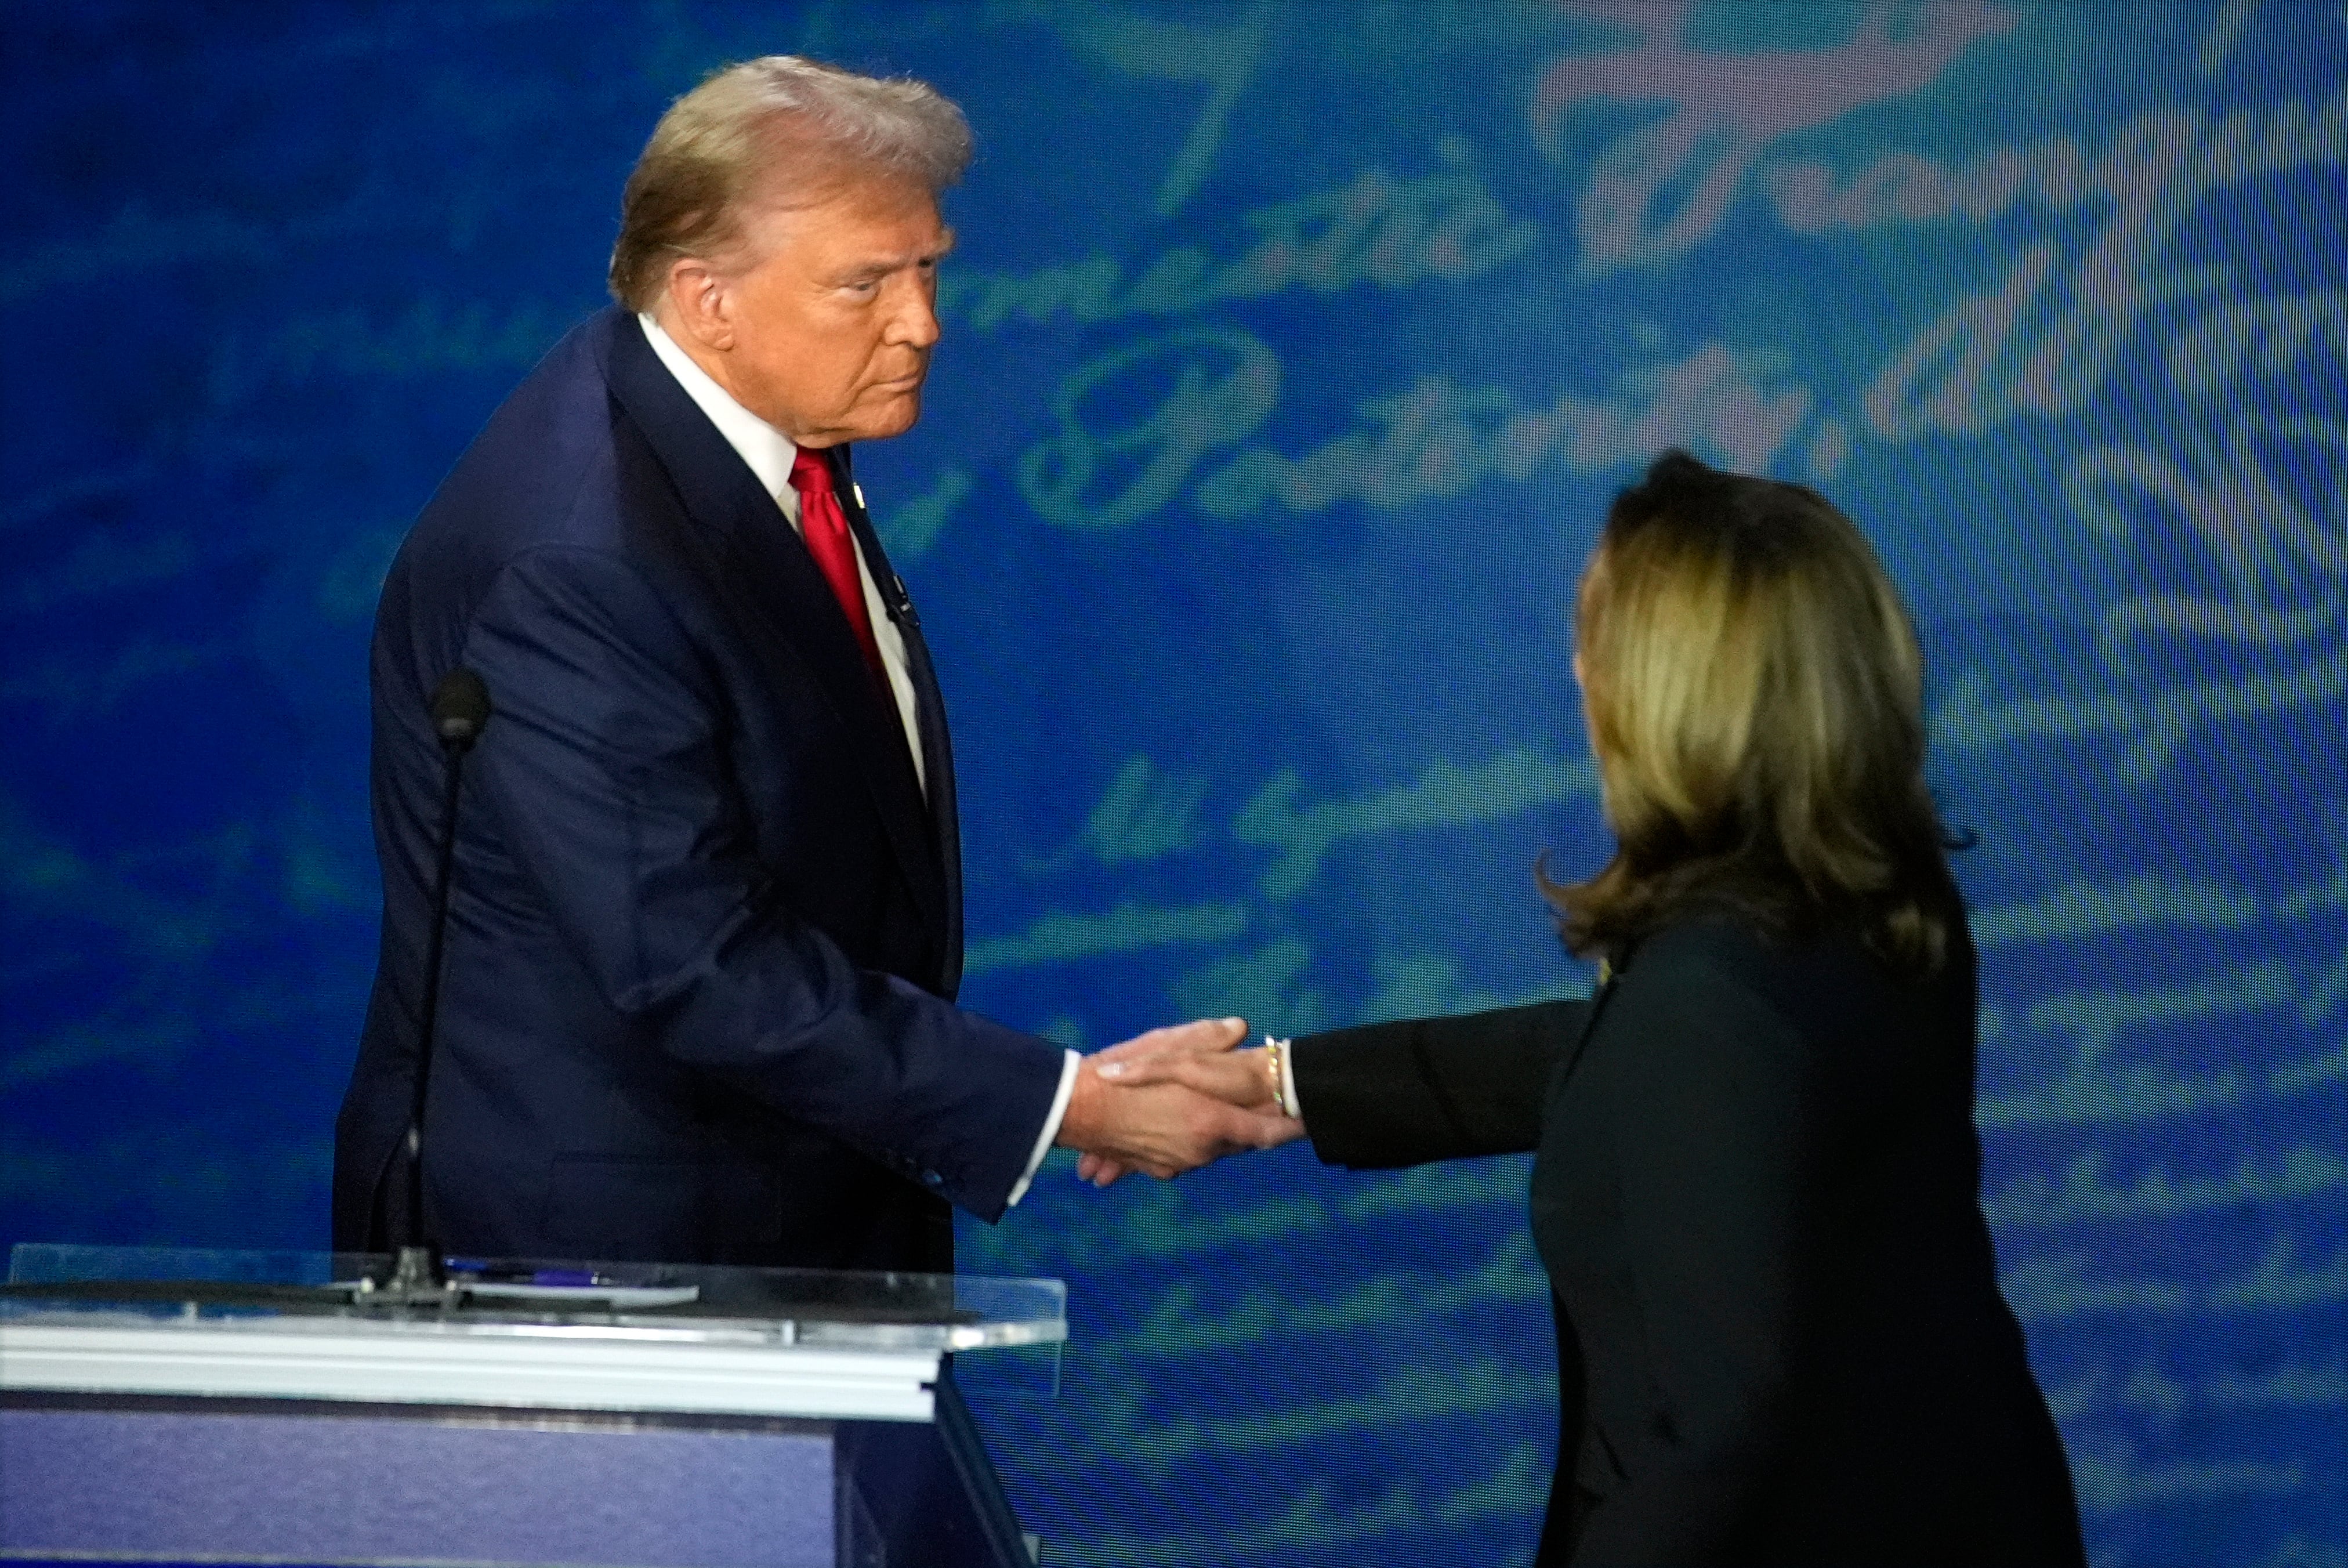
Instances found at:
x=775 y=131
x=1754 y=695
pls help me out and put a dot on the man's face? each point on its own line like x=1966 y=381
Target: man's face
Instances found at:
x=833 y=321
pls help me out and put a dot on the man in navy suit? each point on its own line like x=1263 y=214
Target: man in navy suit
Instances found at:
x=707 y=922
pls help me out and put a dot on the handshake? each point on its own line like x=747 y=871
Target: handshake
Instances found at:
x=1171 y=1101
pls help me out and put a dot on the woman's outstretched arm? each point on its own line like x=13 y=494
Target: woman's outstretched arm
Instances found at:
x=1432 y=1088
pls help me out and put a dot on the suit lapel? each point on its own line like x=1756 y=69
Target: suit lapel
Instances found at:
x=929 y=704
x=1572 y=1057
x=767 y=573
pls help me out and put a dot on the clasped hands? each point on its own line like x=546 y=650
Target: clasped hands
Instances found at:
x=1171 y=1101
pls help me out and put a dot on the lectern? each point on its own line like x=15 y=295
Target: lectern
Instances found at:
x=298 y=1407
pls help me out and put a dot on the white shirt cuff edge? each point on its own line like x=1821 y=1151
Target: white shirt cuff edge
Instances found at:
x=1051 y=1129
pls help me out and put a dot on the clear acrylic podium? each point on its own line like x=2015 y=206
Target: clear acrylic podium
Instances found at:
x=302 y=1408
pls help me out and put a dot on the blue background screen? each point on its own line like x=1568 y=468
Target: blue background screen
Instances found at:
x=1292 y=354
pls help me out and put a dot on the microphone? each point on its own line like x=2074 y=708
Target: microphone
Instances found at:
x=460 y=706
x=460 y=711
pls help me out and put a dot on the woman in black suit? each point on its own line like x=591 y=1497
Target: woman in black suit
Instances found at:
x=1780 y=1338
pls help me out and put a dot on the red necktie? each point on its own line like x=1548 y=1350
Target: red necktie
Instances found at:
x=825 y=528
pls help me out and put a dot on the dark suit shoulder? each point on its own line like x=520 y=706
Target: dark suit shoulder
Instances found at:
x=1823 y=1003
x=546 y=466
x=1813 y=980
x=1734 y=947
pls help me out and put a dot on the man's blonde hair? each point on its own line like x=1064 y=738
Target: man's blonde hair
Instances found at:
x=771 y=132
x=1755 y=700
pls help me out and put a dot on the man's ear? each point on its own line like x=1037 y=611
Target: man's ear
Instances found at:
x=700 y=302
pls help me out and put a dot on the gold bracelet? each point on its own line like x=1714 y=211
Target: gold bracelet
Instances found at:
x=1272 y=1060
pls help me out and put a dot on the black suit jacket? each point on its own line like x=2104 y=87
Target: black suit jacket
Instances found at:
x=1780 y=1338
x=705 y=928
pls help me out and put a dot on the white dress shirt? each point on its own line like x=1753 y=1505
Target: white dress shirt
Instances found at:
x=770 y=454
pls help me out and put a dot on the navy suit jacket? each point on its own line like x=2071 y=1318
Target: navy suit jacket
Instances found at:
x=705 y=929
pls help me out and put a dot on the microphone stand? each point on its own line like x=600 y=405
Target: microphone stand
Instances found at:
x=461 y=708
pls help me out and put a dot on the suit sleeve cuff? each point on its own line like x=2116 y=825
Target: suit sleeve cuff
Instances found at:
x=1051 y=1129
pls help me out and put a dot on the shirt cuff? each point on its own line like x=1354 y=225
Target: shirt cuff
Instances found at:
x=1288 y=1100
x=1051 y=1129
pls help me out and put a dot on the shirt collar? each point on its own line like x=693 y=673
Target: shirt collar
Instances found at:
x=768 y=451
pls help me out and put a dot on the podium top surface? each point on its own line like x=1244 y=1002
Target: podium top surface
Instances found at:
x=157 y=1288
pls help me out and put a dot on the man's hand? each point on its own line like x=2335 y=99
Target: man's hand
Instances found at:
x=1132 y=1109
